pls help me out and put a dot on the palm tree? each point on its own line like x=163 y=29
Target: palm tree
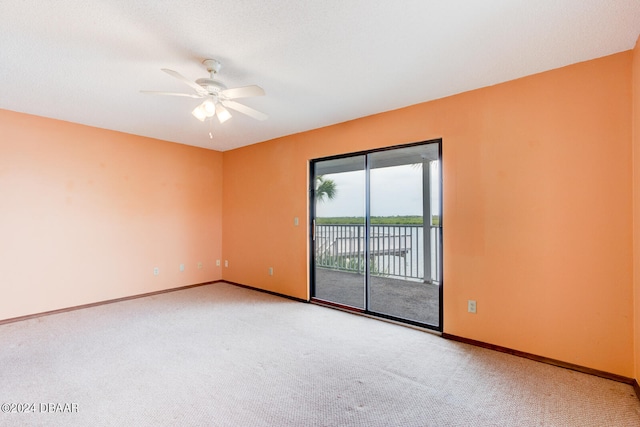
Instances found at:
x=325 y=188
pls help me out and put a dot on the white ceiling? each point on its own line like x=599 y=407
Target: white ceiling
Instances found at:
x=320 y=62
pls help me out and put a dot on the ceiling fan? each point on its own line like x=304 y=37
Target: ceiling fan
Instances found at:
x=217 y=98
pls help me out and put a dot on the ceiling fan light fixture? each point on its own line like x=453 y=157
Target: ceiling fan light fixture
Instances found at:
x=199 y=113
x=209 y=107
x=222 y=113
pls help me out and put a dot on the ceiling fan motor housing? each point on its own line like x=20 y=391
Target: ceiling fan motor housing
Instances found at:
x=212 y=86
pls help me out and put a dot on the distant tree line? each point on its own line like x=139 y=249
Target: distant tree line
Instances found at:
x=376 y=220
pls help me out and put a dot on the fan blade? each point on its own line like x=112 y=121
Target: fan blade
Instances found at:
x=245 y=110
x=154 y=92
x=243 y=92
x=185 y=80
x=222 y=113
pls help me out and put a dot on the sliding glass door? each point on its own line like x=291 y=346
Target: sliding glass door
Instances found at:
x=338 y=231
x=377 y=233
x=401 y=283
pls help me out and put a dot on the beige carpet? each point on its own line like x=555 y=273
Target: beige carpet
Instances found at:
x=220 y=355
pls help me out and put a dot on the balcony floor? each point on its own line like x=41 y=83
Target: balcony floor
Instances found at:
x=409 y=300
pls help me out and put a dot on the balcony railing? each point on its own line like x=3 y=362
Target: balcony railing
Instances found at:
x=396 y=251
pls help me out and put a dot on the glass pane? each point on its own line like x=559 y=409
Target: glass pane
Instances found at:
x=403 y=249
x=339 y=233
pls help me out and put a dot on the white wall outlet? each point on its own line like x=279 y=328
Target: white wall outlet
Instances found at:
x=199 y=265
x=156 y=271
x=295 y=221
x=226 y=263
x=217 y=263
x=270 y=271
x=181 y=267
x=471 y=306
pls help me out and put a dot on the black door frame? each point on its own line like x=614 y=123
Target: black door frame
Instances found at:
x=311 y=223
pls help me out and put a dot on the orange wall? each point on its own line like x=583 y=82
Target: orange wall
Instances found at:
x=537 y=209
x=86 y=214
x=636 y=202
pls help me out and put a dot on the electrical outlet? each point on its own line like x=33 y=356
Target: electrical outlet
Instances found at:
x=181 y=267
x=156 y=271
x=471 y=306
x=217 y=263
x=270 y=271
x=199 y=265
x=226 y=263
x=295 y=221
